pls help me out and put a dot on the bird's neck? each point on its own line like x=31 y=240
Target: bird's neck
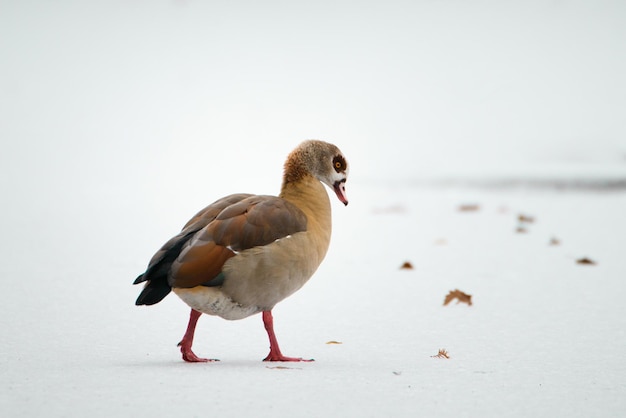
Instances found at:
x=309 y=194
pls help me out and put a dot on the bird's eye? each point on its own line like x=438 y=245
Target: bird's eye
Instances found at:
x=339 y=163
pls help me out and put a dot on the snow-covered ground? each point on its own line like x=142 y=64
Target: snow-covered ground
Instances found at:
x=119 y=120
x=544 y=336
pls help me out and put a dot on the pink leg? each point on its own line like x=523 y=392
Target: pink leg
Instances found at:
x=187 y=341
x=275 y=354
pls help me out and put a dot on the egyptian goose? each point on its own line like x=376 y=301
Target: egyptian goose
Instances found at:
x=244 y=253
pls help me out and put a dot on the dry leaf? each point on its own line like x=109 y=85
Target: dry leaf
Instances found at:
x=334 y=342
x=283 y=368
x=472 y=207
x=525 y=218
x=460 y=296
x=441 y=354
x=586 y=261
x=555 y=241
x=406 y=266
x=521 y=230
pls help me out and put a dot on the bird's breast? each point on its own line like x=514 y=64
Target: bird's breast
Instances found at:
x=263 y=276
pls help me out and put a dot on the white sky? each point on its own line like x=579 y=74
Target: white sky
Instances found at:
x=191 y=94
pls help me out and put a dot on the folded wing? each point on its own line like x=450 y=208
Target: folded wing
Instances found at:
x=220 y=231
x=251 y=222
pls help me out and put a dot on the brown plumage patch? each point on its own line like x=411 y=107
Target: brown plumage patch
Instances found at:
x=459 y=296
x=247 y=223
x=309 y=159
x=206 y=215
x=295 y=167
x=198 y=264
x=258 y=220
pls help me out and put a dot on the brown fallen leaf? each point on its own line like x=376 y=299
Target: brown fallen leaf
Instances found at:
x=406 y=266
x=555 y=241
x=525 y=218
x=521 y=230
x=586 y=261
x=334 y=342
x=441 y=354
x=460 y=296
x=471 y=207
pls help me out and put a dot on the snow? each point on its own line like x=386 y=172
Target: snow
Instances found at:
x=121 y=120
x=544 y=335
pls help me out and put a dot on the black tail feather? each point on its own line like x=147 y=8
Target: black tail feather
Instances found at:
x=153 y=293
x=157 y=286
x=140 y=279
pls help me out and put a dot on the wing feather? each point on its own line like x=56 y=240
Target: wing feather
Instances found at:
x=158 y=271
x=251 y=222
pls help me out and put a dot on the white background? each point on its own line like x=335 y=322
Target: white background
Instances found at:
x=121 y=119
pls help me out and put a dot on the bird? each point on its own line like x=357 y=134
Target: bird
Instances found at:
x=244 y=253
